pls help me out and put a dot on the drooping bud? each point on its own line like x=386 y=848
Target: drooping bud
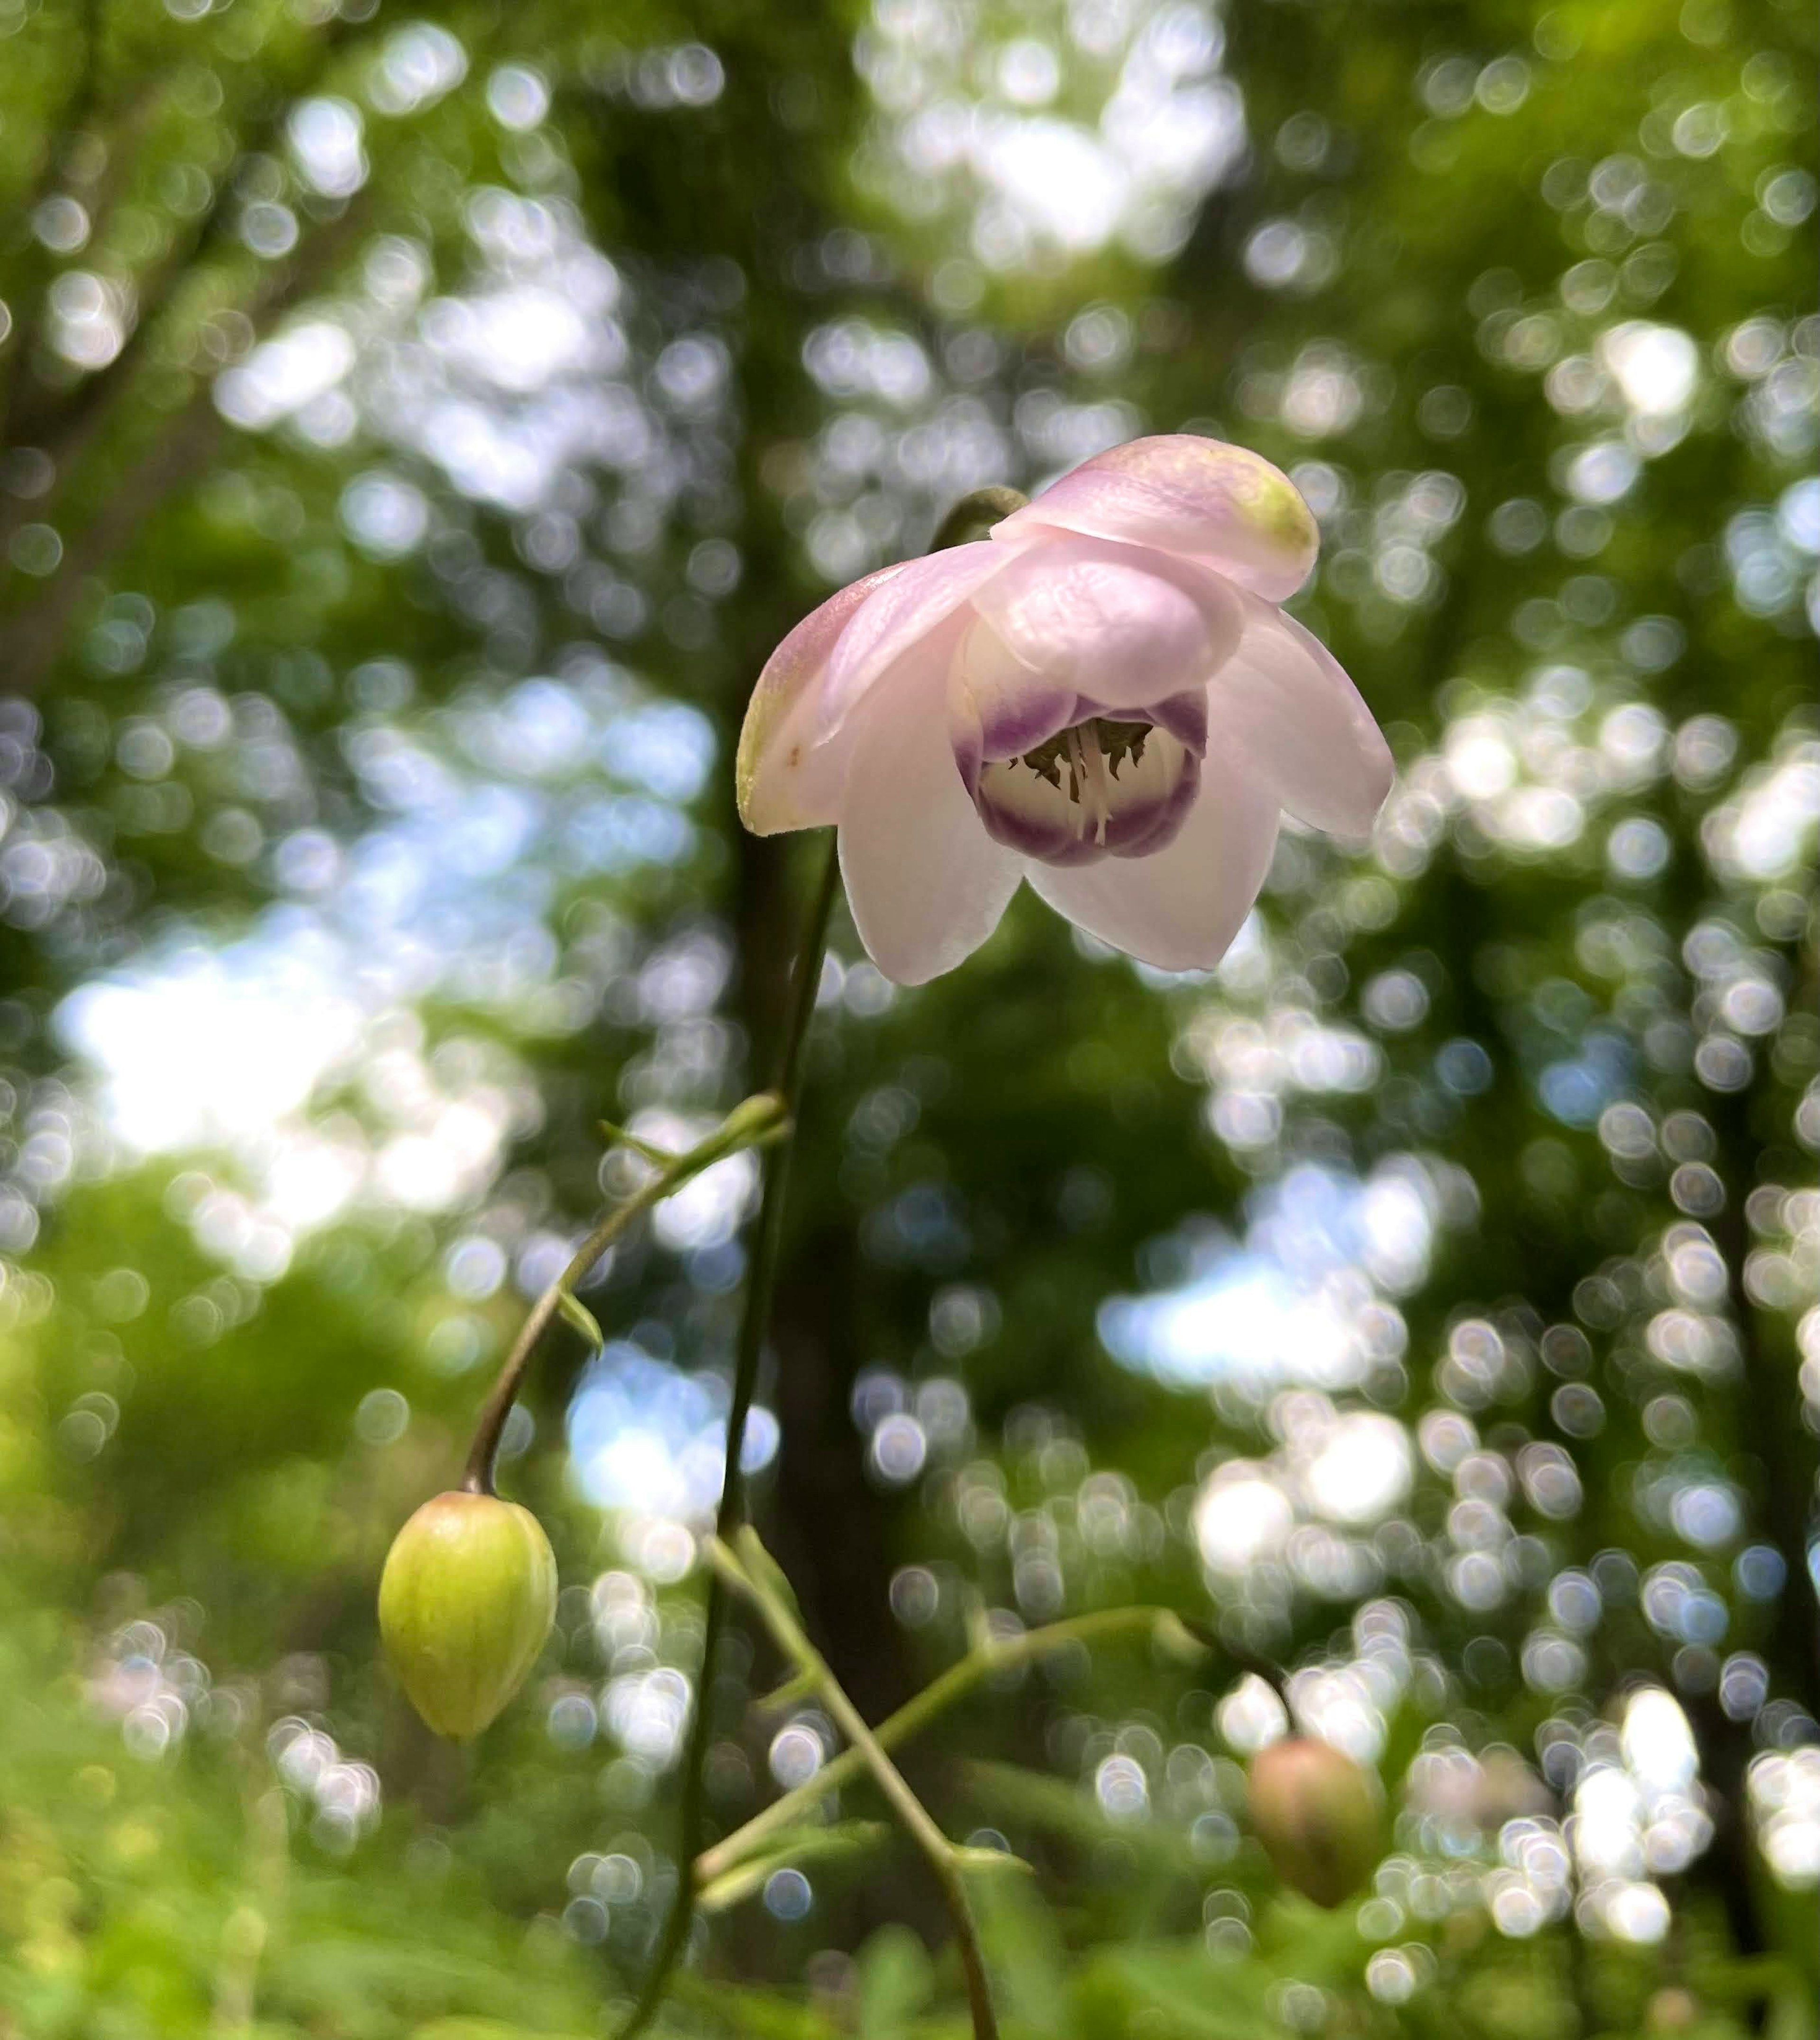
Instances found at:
x=1672 y=2010
x=1319 y=1816
x=465 y=1601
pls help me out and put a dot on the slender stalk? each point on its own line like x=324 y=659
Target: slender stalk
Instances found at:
x=971 y=518
x=754 y=1320
x=762 y=1283
x=1273 y=1674
x=915 y=1714
x=749 y=1578
x=758 y=1119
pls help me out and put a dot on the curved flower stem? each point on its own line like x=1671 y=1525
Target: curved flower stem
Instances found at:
x=759 y=1119
x=750 y=1572
x=914 y=1715
x=971 y=518
x=754 y=1321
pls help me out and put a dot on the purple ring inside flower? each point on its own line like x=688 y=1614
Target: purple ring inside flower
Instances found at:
x=1104 y=786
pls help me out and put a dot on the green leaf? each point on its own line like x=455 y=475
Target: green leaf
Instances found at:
x=791 y=1693
x=1056 y=1807
x=756 y=1121
x=1188 y=1642
x=896 y=1981
x=980 y=1635
x=764 y=1571
x=661 y=1157
x=1023 y=1948
x=1793 y=2015
x=1177 y=1989
x=483 y=2029
x=989 y=1862
x=752 y=2014
x=794 y=1847
x=576 y=1314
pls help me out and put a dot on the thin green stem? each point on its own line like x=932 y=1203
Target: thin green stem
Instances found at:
x=756 y=1319
x=1009 y=1654
x=754 y=1322
x=760 y=1118
x=970 y=518
x=747 y=1574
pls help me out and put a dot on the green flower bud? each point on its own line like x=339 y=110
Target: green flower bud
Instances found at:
x=1319 y=1816
x=465 y=1601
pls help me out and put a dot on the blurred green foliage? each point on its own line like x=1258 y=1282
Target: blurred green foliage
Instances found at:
x=418 y=426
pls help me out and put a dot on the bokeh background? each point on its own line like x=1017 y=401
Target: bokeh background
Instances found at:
x=418 y=425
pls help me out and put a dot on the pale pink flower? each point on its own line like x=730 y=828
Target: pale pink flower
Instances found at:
x=1102 y=697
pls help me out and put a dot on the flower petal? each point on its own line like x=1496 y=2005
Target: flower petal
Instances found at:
x=1198 y=498
x=1155 y=816
x=1179 y=907
x=926 y=884
x=781 y=781
x=1122 y=624
x=1288 y=702
x=900 y=612
x=1185 y=718
x=1009 y=706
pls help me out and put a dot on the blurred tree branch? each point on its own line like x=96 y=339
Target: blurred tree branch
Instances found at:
x=32 y=639
x=64 y=420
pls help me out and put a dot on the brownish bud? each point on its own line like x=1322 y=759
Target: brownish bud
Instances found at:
x=1319 y=1815
x=1672 y=2010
